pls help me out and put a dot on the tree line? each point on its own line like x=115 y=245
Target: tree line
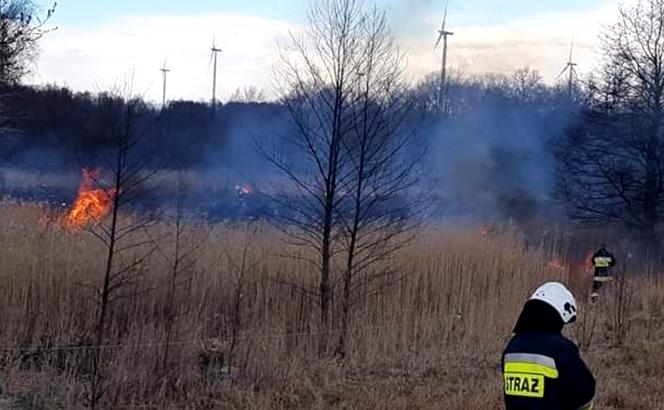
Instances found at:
x=594 y=150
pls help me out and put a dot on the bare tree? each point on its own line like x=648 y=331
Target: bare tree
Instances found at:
x=319 y=77
x=20 y=31
x=375 y=216
x=622 y=304
x=243 y=271
x=349 y=158
x=128 y=247
x=248 y=95
x=526 y=85
x=523 y=87
x=611 y=167
x=186 y=239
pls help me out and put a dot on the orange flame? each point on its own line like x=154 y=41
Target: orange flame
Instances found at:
x=588 y=264
x=245 y=189
x=92 y=203
x=557 y=264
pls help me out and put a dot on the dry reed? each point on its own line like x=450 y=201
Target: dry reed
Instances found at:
x=431 y=339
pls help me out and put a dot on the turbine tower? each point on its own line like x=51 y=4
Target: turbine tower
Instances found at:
x=213 y=55
x=442 y=35
x=164 y=72
x=570 y=70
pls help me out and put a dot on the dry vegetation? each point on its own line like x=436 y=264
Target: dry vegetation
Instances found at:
x=241 y=338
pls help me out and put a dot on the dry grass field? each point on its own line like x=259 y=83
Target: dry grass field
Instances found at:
x=241 y=337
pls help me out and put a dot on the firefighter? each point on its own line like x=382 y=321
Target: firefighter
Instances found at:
x=542 y=370
x=603 y=261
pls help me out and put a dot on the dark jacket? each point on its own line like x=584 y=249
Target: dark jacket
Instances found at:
x=603 y=260
x=542 y=370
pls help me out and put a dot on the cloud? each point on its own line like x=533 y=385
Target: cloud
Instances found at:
x=541 y=42
x=97 y=58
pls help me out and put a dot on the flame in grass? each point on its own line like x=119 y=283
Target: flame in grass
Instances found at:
x=244 y=189
x=92 y=203
x=557 y=264
x=574 y=267
x=588 y=263
x=247 y=189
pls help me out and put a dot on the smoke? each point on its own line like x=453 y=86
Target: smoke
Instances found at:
x=488 y=159
x=493 y=158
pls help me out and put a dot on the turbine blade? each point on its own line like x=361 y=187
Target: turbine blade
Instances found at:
x=447 y=3
x=562 y=72
x=210 y=62
x=165 y=62
x=571 y=50
x=438 y=41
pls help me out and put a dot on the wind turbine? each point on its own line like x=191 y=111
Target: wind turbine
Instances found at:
x=213 y=55
x=164 y=72
x=442 y=35
x=570 y=70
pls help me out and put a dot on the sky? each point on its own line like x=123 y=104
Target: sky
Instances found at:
x=99 y=44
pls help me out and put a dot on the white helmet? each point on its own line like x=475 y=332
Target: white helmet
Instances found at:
x=557 y=295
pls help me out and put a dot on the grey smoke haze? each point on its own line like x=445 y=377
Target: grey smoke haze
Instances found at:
x=492 y=158
x=491 y=166
x=488 y=159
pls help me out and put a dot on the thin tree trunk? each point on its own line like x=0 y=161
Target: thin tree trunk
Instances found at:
x=170 y=303
x=325 y=285
x=653 y=188
x=101 y=322
x=357 y=210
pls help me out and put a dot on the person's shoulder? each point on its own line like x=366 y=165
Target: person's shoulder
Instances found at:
x=566 y=345
x=548 y=343
x=514 y=340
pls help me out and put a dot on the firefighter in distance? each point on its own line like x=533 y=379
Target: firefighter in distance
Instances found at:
x=603 y=261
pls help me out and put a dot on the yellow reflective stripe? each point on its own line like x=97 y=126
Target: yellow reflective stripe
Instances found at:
x=524 y=385
x=532 y=368
x=602 y=261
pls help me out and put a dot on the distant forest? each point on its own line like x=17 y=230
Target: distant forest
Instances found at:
x=488 y=154
x=494 y=146
x=55 y=128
